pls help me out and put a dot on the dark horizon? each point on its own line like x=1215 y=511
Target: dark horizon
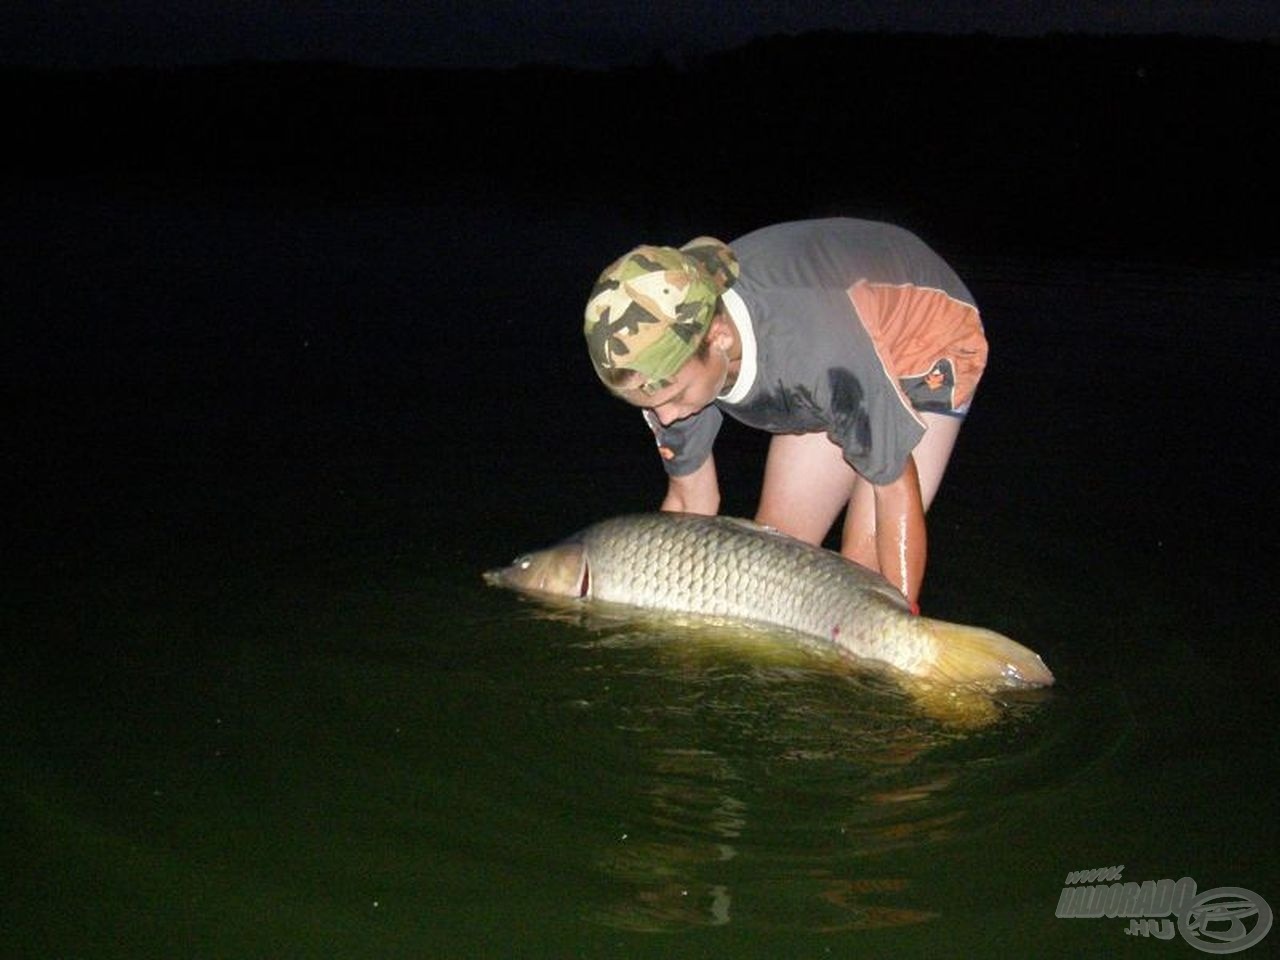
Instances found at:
x=573 y=33
x=1067 y=143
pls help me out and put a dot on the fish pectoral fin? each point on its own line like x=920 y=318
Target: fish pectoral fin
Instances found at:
x=967 y=654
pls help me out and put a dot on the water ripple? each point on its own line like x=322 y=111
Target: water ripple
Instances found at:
x=708 y=765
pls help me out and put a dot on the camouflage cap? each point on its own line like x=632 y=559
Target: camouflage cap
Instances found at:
x=650 y=309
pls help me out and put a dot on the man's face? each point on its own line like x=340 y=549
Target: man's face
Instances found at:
x=692 y=387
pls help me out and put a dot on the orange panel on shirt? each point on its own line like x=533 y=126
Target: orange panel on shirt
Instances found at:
x=915 y=328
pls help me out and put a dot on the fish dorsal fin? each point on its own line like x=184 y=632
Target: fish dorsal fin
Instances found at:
x=752 y=525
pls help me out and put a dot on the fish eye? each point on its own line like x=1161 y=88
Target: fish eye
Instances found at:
x=523 y=562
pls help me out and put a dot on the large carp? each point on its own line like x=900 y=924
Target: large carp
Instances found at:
x=732 y=569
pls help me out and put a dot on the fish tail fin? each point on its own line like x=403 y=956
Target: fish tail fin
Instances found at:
x=967 y=654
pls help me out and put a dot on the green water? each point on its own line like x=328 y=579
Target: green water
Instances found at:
x=258 y=703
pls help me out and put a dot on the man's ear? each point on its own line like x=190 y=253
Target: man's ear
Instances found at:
x=719 y=333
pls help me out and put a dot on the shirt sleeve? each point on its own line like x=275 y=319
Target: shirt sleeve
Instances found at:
x=685 y=445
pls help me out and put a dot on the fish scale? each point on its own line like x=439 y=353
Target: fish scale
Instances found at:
x=717 y=566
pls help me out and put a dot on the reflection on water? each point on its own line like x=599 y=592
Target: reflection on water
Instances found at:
x=762 y=782
x=686 y=875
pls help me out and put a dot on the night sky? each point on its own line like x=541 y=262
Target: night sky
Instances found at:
x=76 y=33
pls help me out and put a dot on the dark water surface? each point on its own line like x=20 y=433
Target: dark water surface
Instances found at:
x=258 y=703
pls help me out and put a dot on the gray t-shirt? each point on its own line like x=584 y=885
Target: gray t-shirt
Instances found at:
x=809 y=363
